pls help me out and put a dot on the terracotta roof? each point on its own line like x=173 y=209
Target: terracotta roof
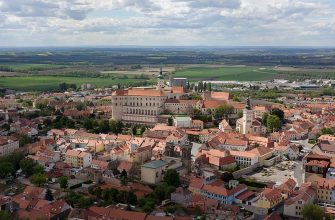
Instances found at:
x=212 y=103
x=288 y=186
x=324 y=183
x=273 y=216
x=305 y=193
x=125 y=165
x=261 y=151
x=318 y=163
x=223 y=191
x=271 y=194
x=7 y=139
x=110 y=213
x=152 y=217
x=139 y=92
x=220 y=95
x=182 y=101
x=245 y=195
x=178 y=89
x=329 y=147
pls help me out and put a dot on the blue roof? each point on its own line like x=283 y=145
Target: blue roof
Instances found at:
x=155 y=164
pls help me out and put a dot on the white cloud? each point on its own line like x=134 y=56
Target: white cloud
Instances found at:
x=167 y=22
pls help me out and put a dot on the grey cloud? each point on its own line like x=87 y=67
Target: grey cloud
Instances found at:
x=44 y=8
x=213 y=3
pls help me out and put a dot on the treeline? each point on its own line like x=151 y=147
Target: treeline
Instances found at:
x=103 y=126
x=65 y=86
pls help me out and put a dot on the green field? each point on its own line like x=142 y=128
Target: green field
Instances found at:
x=253 y=73
x=45 y=83
x=226 y=73
x=24 y=67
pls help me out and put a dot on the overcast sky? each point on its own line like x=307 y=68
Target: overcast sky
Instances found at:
x=167 y=22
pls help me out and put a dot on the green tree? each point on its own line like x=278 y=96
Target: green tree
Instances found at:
x=327 y=131
x=171 y=177
x=119 y=127
x=273 y=123
x=81 y=106
x=88 y=124
x=327 y=91
x=104 y=126
x=48 y=195
x=38 y=168
x=159 y=192
x=227 y=176
x=134 y=130
x=239 y=114
x=265 y=118
x=236 y=99
x=278 y=112
x=5 y=215
x=15 y=159
x=38 y=179
x=223 y=111
x=27 y=166
x=313 y=212
x=6 y=169
x=63 y=182
x=196 y=111
x=132 y=198
x=23 y=140
x=200 y=86
x=116 y=126
x=170 y=121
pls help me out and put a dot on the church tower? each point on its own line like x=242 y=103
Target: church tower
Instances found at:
x=247 y=118
x=186 y=156
x=160 y=79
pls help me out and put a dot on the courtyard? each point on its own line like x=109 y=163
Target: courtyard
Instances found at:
x=279 y=173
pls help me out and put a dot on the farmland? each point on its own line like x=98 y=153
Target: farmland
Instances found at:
x=43 y=69
x=252 y=73
x=47 y=83
x=226 y=73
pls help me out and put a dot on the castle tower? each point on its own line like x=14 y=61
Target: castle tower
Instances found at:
x=247 y=118
x=117 y=106
x=186 y=156
x=160 y=79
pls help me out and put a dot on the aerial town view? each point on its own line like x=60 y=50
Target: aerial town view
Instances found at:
x=167 y=110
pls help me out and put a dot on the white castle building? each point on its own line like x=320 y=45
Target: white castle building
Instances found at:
x=140 y=105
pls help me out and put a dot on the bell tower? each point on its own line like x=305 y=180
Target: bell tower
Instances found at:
x=169 y=149
x=160 y=79
x=247 y=118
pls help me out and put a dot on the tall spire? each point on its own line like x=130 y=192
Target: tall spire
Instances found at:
x=248 y=105
x=160 y=76
x=160 y=79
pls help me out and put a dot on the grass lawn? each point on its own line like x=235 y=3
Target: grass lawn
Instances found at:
x=45 y=83
x=226 y=73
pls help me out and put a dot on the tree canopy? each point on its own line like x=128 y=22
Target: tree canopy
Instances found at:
x=171 y=177
x=278 y=112
x=313 y=212
x=272 y=123
x=38 y=179
x=63 y=182
x=223 y=111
